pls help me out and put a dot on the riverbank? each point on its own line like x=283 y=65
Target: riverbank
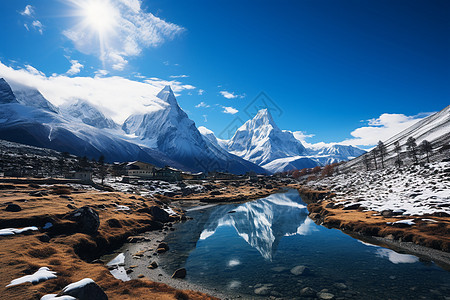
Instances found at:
x=56 y=241
x=425 y=235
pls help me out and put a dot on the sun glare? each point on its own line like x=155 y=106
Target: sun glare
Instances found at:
x=99 y=15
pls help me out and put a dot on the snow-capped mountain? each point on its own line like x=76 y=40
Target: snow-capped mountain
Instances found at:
x=167 y=128
x=88 y=114
x=260 y=140
x=32 y=122
x=30 y=97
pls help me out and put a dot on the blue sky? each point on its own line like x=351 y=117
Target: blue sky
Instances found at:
x=337 y=70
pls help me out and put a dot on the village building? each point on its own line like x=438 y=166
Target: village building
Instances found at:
x=140 y=169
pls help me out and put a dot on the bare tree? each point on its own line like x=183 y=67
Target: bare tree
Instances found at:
x=382 y=152
x=102 y=168
x=374 y=155
x=366 y=161
x=426 y=147
x=398 y=150
x=412 y=148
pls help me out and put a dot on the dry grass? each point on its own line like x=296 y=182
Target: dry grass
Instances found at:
x=23 y=254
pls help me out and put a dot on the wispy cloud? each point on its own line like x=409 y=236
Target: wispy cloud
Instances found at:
x=131 y=30
x=179 y=76
x=228 y=95
x=200 y=92
x=29 y=13
x=229 y=110
x=118 y=97
x=202 y=104
x=75 y=68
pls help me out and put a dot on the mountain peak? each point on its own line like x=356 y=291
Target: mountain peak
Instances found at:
x=167 y=95
x=6 y=93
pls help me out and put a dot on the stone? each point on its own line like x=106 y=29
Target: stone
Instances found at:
x=44 y=238
x=113 y=223
x=163 y=245
x=300 y=270
x=85 y=289
x=340 y=286
x=13 y=208
x=161 y=250
x=180 y=273
x=307 y=292
x=387 y=213
x=325 y=296
x=158 y=213
x=278 y=269
x=153 y=265
x=264 y=290
x=269 y=186
x=86 y=218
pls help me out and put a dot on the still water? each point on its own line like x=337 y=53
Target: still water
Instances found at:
x=252 y=250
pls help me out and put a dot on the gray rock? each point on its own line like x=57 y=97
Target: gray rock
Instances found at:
x=325 y=296
x=85 y=289
x=158 y=213
x=340 y=286
x=180 y=273
x=307 y=292
x=86 y=218
x=300 y=270
x=264 y=290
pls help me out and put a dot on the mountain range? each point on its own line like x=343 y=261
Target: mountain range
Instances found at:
x=162 y=135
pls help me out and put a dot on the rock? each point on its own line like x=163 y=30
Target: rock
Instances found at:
x=180 y=273
x=13 y=208
x=163 y=245
x=86 y=218
x=307 y=292
x=44 y=238
x=153 y=265
x=215 y=193
x=71 y=206
x=161 y=250
x=387 y=213
x=340 y=286
x=264 y=290
x=325 y=296
x=114 y=223
x=278 y=269
x=300 y=270
x=158 y=213
x=136 y=238
x=85 y=289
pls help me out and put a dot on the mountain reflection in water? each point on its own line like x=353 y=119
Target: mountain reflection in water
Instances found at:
x=263 y=223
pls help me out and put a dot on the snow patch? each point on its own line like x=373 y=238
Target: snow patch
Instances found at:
x=42 y=274
x=11 y=231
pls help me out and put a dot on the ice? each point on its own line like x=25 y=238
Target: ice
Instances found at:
x=42 y=274
x=56 y=297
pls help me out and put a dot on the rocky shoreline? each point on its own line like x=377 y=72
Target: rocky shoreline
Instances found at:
x=430 y=239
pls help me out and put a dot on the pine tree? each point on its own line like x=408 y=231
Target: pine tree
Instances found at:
x=374 y=155
x=426 y=148
x=366 y=161
x=398 y=150
x=412 y=148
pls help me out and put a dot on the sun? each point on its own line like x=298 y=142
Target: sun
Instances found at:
x=99 y=15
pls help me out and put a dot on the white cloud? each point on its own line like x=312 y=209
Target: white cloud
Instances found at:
x=178 y=76
x=100 y=73
x=229 y=110
x=200 y=92
x=28 y=11
x=228 y=95
x=381 y=129
x=75 y=68
x=302 y=136
x=205 y=118
x=130 y=29
x=118 y=97
x=36 y=24
x=202 y=104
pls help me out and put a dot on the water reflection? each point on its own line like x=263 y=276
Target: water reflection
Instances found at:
x=263 y=223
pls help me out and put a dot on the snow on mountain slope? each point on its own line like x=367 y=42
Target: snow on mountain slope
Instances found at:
x=30 y=97
x=260 y=140
x=166 y=127
x=6 y=94
x=330 y=154
x=290 y=163
x=88 y=114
